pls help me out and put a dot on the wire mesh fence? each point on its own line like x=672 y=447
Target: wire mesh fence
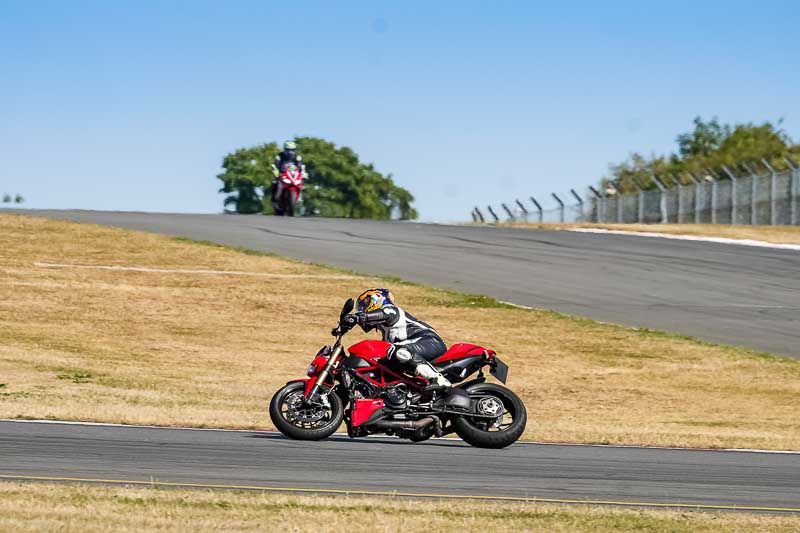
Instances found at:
x=757 y=198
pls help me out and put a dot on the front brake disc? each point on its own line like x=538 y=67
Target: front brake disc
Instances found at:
x=300 y=411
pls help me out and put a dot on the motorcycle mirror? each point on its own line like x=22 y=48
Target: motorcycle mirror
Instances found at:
x=348 y=306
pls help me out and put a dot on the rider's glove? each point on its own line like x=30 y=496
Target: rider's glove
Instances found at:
x=361 y=317
x=350 y=320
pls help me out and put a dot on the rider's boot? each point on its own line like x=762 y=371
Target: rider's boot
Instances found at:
x=438 y=381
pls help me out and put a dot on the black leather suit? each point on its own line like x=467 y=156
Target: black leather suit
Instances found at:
x=403 y=330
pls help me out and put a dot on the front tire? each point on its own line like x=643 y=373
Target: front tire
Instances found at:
x=291 y=201
x=298 y=420
x=497 y=433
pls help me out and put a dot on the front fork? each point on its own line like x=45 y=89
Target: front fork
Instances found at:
x=326 y=370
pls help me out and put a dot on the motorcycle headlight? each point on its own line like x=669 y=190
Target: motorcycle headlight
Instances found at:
x=312 y=369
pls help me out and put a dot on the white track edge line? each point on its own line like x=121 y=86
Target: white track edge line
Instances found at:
x=721 y=240
x=536 y=443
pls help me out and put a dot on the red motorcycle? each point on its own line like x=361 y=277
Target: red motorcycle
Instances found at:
x=363 y=389
x=287 y=191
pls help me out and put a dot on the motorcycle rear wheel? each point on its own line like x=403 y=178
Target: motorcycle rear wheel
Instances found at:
x=483 y=433
x=286 y=411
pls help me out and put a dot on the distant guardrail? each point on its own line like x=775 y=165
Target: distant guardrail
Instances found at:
x=758 y=196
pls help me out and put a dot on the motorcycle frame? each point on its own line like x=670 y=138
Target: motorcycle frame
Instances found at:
x=327 y=379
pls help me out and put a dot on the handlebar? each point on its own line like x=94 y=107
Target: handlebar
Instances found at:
x=346 y=323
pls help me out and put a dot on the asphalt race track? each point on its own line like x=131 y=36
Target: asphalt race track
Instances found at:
x=269 y=461
x=724 y=293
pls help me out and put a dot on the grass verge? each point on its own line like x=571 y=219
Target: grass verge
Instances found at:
x=771 y=234
x=183 y=348
x=51 y=507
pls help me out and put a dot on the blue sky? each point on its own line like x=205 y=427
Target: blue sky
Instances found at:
x=132 y=105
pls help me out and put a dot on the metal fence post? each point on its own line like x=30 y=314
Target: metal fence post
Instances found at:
x=714 y=199
x=793 y=193
x=662 y=202
x=480 y=215
x=522 y=208
x=601 y=211
x=696 y=198
x=560 y=207
x=580 y=201
x=733 y=193
x=753 y=192
x=773 y=194
x=539 y=208
x=679 y=185
x=474 y=216
x=494 y=215
x=598 y=197
x=511 y=216
x=639 y=201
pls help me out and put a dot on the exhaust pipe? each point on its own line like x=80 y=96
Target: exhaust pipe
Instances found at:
x=415 y=425
x=404 y=424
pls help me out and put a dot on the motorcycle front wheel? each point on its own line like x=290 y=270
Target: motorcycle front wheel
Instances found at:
x=497 y=432
x=291 y=201
x=298 y=419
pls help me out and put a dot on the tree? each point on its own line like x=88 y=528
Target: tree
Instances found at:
x=246 y=177
x=752 y=143
x=708 y=146
x=706 y=138
x=338 y=184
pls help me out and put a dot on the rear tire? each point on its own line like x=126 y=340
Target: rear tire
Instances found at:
x=289 y=393
x=478 y=433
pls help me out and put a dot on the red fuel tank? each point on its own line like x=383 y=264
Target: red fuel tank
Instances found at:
x=370 y=350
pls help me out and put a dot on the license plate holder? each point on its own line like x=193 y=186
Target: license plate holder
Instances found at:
x=499 y=370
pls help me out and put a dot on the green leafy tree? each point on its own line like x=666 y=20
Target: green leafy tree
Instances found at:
x=704 y=139
x=246 y=178
x=710 y=145
x=338 y=183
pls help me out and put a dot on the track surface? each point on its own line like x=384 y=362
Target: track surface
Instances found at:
x=445 y=467
x=718 y=292
x=726 y=293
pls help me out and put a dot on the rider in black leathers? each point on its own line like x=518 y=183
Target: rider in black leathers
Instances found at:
x=288 y=156
x=414 y=343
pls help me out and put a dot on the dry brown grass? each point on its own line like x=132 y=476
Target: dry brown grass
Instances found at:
x=772 y=234
x=209 y=350
x=45 y=507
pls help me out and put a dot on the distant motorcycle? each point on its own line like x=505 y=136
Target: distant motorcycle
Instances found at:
x=362 y=388
x=288 y=187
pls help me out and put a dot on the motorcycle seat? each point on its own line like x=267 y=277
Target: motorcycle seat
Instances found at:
x=459 y=351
